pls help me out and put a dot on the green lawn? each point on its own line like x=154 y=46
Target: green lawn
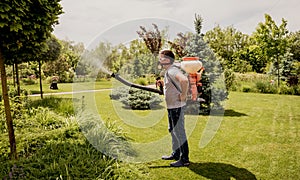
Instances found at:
x=259 y=136
x=65 y=87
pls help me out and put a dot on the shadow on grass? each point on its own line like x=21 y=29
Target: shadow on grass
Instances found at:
x=232 y=113
x=217 y=171
x=35 y=92
x=152 y=107
x=227 y=112
x=50 y=102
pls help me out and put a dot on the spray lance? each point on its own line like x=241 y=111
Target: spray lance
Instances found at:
x=191 y=65
x=127 y=83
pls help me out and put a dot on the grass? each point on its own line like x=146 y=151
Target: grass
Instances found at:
x=50 y=145
x=258 y=138
x=65 y=87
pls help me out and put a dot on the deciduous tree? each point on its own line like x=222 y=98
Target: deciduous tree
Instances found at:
x=272 y=40
x=24 y=27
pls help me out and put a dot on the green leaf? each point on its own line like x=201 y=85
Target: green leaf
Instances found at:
x=16 y=27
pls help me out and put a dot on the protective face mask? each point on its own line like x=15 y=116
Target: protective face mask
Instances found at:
x=159 y=66
x=162 y=73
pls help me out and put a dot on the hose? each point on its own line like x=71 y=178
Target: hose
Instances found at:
x=127 y=83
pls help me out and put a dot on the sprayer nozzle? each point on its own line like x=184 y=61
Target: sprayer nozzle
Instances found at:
x=113 y=75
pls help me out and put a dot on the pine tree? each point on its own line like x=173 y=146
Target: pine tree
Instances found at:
x=213 y=82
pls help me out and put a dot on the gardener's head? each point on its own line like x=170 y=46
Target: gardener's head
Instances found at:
x=166 y=57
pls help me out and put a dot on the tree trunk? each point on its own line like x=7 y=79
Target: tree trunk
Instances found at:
x=13 y=74
x=40 y=76
x=18 y=80
x=278 y=71
x=9 y=121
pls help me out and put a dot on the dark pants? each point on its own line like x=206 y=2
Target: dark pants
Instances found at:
x=176 y=128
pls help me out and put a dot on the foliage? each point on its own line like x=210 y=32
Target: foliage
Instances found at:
x=228 y=44
x=142 y=61
x=229 y=78
x=64 y=66
x=17 y=104
x=198 y=23
x=103 y=60
x=53 y=49
x=119 y=93
x=112 y=142
x=118 y=57
x=294 y=40
x=21 y=21
x=291 y=90
x=179 y=44
x=61 y=106
x=262 y=83
x=52 y=146
x=139 y=99
x=141 y=81
x=135 y=98
x=152 y=38
x=25 y=26
x=272 y=40
x=292 y=80
x=28 y=81
x=213 y=90
x=264 y=87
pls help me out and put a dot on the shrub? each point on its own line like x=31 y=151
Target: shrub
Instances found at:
x=141 y=81
x=119 y=93
x=266 y=87
x=251 y=77
x=229 y=78
x=139 y=99
x=28 y=81
x=293 y=80
x=246 y=89
x=286 y=90
x=291 y=90
x=13 y=92
x=135 y=98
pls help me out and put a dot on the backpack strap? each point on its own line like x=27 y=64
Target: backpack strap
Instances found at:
x=178 y=89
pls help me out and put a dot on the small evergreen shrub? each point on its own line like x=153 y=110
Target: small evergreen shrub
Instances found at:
x=135 y=98
x=139 y=99
x=119 y=93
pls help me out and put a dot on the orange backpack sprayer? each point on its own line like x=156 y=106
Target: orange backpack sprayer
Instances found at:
x=192 y=65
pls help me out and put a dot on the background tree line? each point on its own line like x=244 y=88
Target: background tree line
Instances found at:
x=270 y=49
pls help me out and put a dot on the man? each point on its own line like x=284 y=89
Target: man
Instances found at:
x=175 y=91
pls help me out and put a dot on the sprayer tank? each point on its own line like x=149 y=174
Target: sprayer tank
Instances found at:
x=191 y=64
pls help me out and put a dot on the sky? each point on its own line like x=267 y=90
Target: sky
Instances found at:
x=91 y=21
